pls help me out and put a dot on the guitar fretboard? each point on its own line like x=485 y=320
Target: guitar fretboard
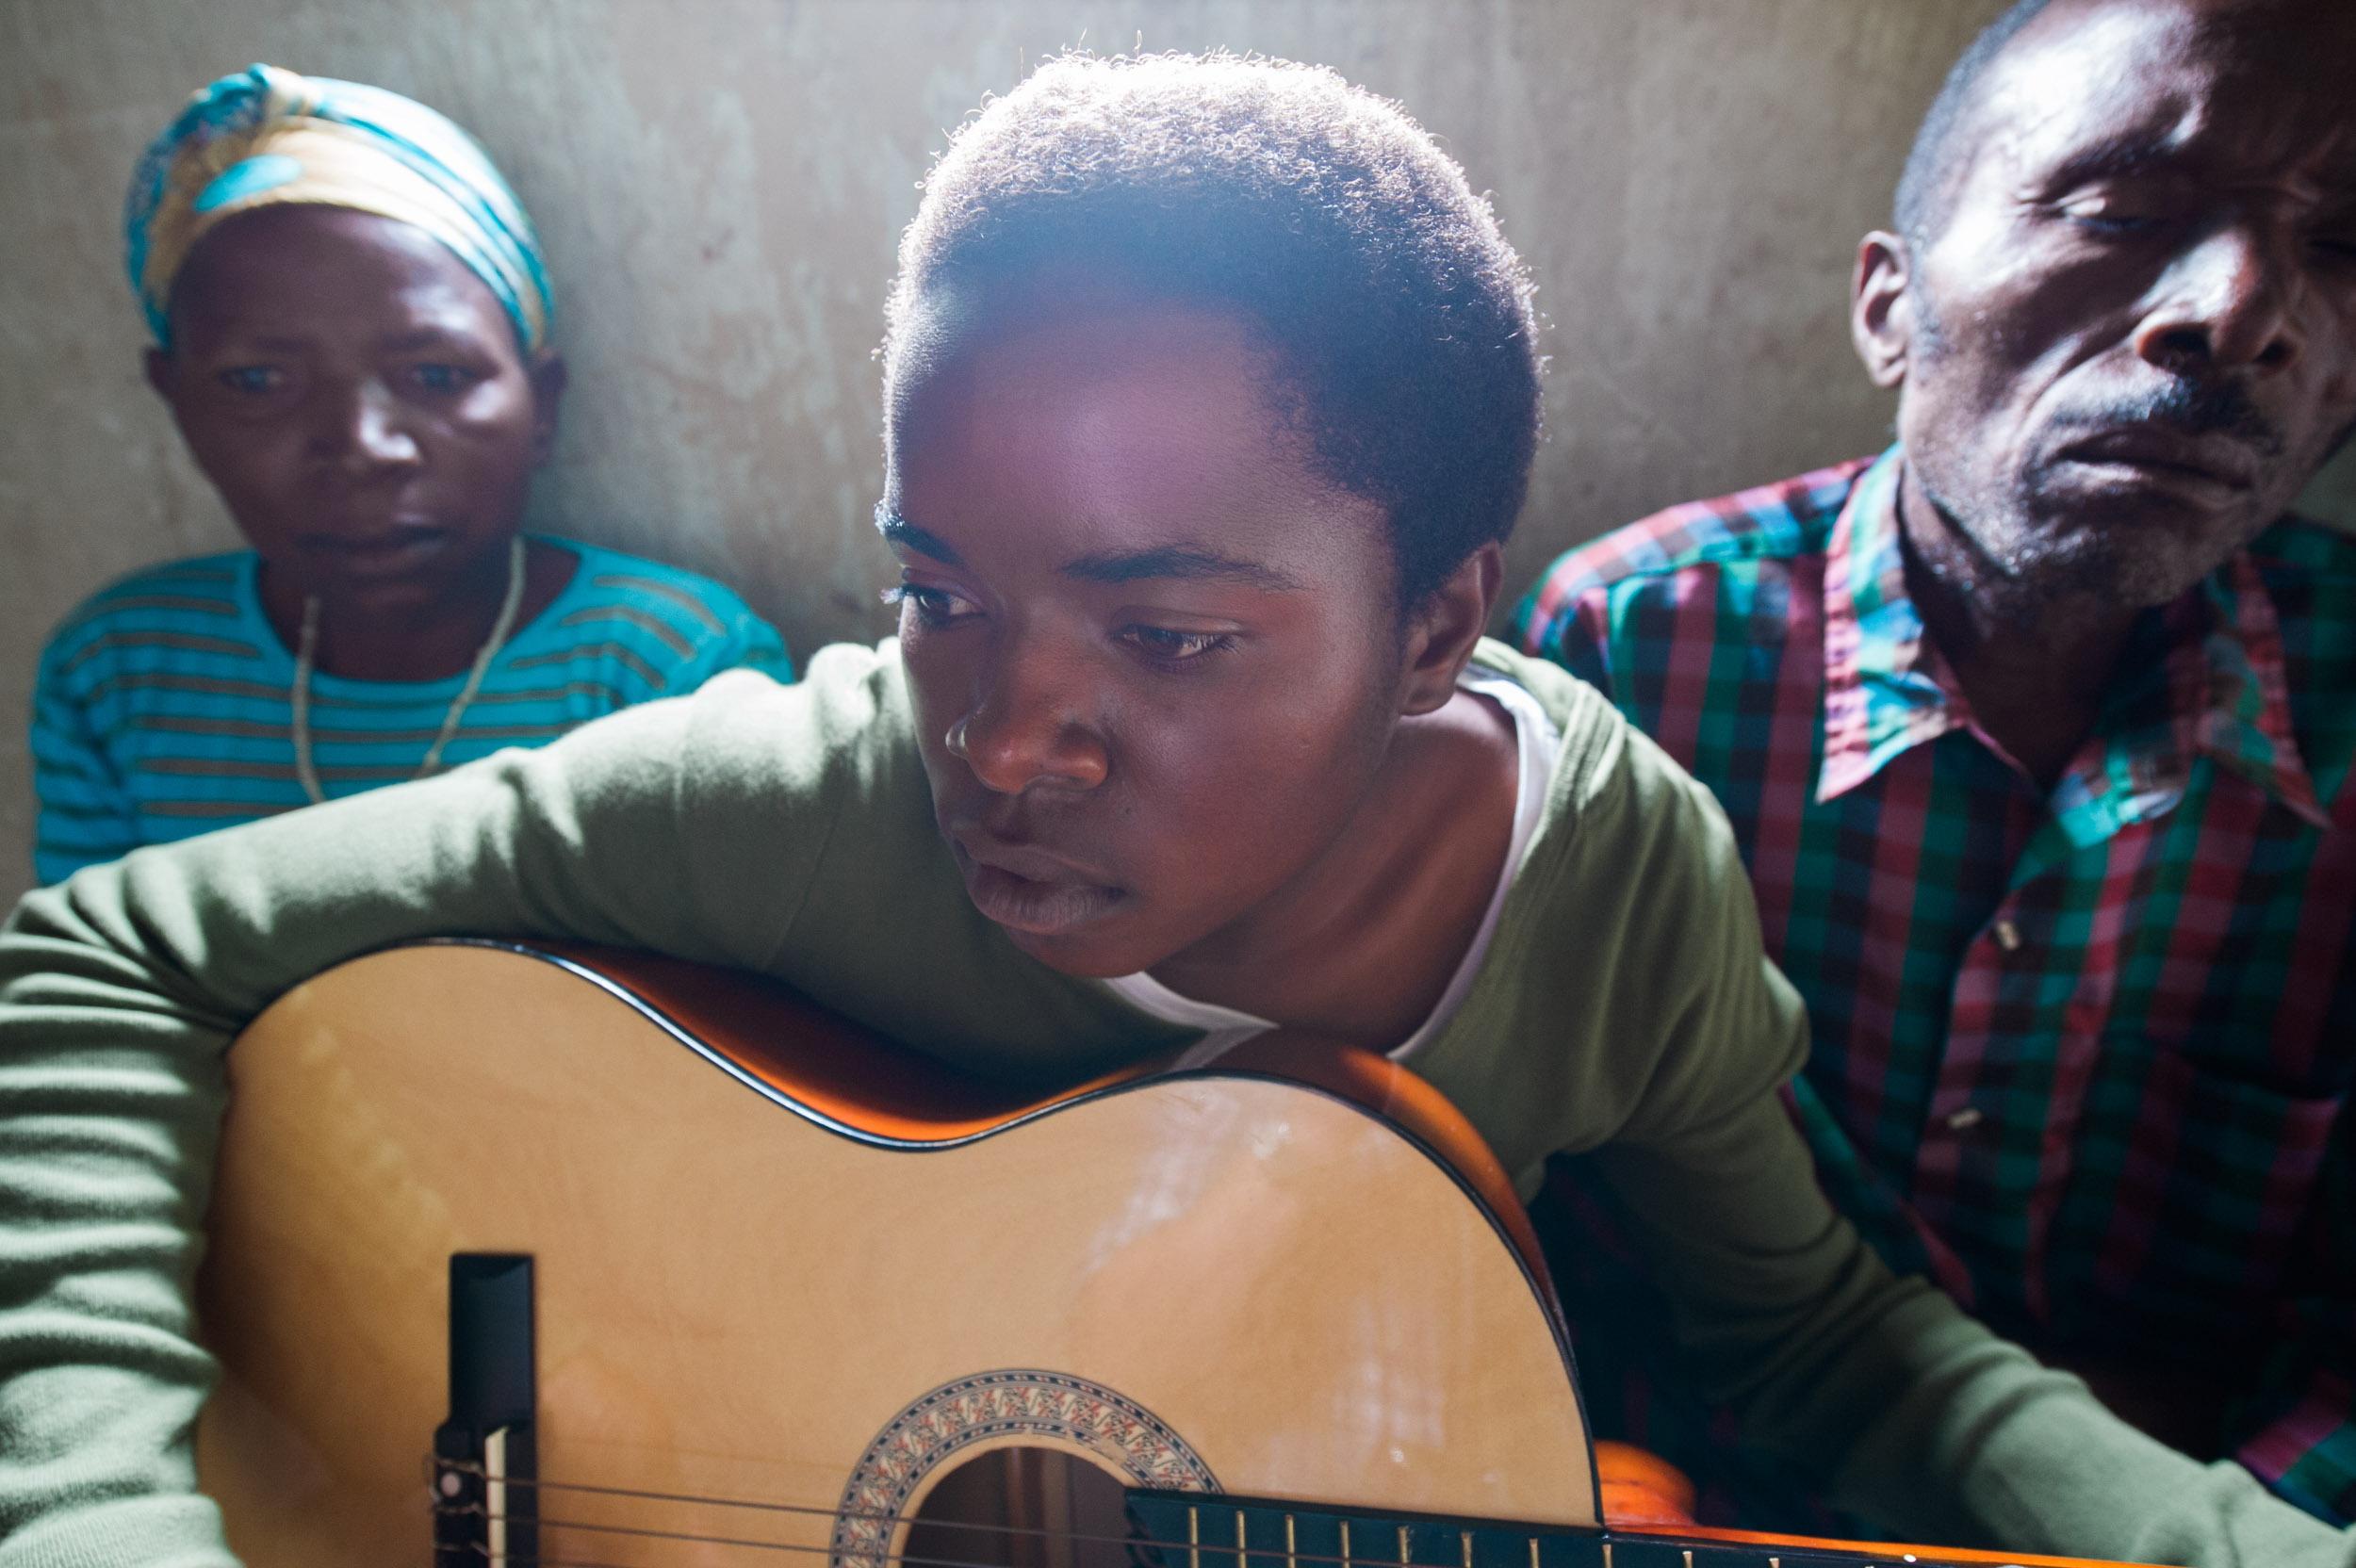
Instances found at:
x=1186 y=1529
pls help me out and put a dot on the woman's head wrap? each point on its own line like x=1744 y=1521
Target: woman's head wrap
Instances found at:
x=269 y=136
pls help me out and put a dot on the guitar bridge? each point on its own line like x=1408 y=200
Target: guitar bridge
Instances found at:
x=485 y=1466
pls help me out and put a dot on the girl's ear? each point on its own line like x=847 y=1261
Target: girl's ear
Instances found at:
x=1442 y=633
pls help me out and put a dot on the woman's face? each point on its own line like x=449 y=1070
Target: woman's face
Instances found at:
x=1156 y=659
x=359 y=398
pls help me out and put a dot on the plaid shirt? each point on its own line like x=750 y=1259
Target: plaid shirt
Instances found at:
x=2080 y=1054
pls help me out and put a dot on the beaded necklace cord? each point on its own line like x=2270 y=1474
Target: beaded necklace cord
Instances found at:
x=305 y=654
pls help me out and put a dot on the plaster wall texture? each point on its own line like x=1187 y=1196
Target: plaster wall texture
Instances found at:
x=721 y=183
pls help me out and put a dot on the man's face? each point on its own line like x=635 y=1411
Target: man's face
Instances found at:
x=358 y=397
x=2134 y=338
x=1154 y=657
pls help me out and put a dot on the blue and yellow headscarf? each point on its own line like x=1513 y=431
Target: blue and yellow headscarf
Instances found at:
x=269 y=136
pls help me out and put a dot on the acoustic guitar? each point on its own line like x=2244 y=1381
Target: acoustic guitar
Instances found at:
x=538 y=1257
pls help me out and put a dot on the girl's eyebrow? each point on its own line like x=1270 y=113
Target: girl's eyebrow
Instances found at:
x=1189 y=561
x=897 y=530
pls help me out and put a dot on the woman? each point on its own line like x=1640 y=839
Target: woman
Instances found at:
x=352 y=327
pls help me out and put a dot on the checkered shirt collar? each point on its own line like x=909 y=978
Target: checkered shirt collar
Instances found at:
x=2219 y=690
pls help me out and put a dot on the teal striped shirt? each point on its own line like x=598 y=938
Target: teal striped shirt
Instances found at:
x=163 y=704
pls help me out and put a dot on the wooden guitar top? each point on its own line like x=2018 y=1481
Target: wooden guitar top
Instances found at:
x=780 y=1263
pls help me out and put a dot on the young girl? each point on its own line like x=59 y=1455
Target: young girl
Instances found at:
x=1211 y=392
x=351 y=328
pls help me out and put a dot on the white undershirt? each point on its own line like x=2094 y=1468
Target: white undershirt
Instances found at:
x=1536 y=744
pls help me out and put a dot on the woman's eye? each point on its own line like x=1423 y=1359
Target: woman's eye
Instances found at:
x=253 y=378
x=933 y=606
x=444 y=378
x=1175 y=647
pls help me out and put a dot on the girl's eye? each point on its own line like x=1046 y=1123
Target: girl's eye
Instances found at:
x=1175 y=647
x=444 y=378
x=2340 y=249
x=933 y=606
x=253 y=378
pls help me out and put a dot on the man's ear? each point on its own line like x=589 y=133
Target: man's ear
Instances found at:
x=159 y=368
x=550 y=377
x=1881 y=306
x=1442 y=633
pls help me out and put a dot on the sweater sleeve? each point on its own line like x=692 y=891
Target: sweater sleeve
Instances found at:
x=120 y=988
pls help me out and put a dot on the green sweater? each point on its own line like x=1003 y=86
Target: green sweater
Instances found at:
x=1624 y=1007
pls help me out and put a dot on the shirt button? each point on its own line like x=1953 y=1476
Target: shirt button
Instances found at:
x=2007 y=936
x=1964 y=1119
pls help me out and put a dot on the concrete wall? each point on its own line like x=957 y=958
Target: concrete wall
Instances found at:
x=720 y=184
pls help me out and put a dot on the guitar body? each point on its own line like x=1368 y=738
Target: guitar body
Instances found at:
x=1214 y=1281
x=780 y=1265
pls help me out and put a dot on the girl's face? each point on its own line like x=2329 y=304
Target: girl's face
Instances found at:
x=1155 y=658
x=359 y=398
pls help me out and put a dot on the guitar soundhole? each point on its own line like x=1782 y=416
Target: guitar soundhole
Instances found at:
x=1022 y=1508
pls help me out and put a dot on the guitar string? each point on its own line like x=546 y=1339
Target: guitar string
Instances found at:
x=761 y=1508
x=1241 y=1551
x=838 y=1515
x=1356 y=1560
x=514 y=1557
x=1208 y=1548
x=1291 y=1555
x=694 y=1539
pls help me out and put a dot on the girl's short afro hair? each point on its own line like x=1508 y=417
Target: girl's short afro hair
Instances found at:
x=1399 y=318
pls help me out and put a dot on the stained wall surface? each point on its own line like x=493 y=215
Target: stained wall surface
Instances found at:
x=720 y=184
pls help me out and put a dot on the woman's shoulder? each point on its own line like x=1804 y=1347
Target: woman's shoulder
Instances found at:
x=211 y=584
x=206 y=597
x=610 y=577
x=678 y=619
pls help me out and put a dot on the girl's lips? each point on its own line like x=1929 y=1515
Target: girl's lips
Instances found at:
x=1041 y=908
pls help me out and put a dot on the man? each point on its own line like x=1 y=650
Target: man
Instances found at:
x=2033 y=731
